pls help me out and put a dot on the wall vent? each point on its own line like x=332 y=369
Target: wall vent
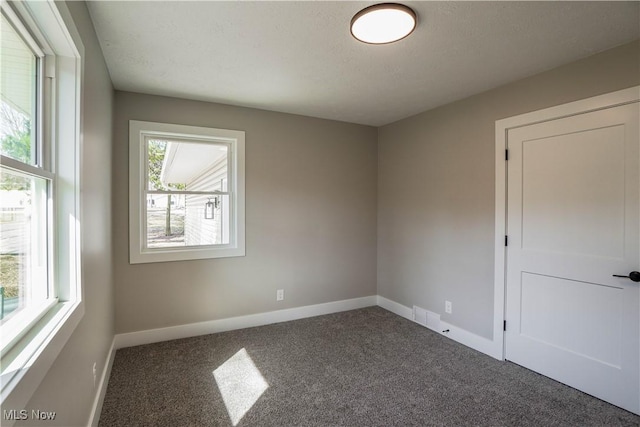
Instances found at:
x=426 y=318
x=433 y=321
x=420 y=315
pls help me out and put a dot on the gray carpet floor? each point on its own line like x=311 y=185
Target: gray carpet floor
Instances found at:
x=365 y=367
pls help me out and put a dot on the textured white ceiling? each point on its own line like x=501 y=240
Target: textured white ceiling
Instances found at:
x=299 y=57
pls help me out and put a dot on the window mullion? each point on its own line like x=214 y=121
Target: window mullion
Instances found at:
x=26 y=169
x=187 y=192
x=47 y=109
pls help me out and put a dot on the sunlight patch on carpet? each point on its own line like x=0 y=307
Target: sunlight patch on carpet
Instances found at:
x=240 y=383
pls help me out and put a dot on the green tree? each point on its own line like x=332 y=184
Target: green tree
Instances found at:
x=156 y=150
x=17 y=146
x=15 y=142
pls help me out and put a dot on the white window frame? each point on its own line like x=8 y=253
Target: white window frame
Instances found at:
x=40 y=167
x=25 y=364
x=139 y=133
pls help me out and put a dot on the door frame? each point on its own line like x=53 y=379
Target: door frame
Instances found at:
x=601 y=102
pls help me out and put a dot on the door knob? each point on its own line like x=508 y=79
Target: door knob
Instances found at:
x=634 y=275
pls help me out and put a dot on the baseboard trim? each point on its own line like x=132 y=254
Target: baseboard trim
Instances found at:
x=96 y=409
x=395 y=307
x=476 y=342
x=150 y=336
x=470 y=339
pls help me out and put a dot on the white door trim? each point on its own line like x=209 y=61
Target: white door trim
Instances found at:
x=621 y=97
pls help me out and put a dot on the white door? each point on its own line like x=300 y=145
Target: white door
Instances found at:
x=572 y=220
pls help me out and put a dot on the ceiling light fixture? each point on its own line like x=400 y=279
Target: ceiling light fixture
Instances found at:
x=383 y=23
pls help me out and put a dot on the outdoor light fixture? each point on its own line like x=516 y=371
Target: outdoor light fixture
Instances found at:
x=383 y=23
x=209 y=208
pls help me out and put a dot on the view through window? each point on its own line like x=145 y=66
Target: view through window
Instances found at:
x=187 y=201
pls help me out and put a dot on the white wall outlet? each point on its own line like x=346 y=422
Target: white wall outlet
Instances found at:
x=448 y=307
x=279 y=294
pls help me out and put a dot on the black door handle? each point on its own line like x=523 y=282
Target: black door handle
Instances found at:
x=634 y=275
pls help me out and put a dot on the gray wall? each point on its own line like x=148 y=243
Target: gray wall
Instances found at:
x=310 y=222
x=436 y=187
x=68 y=387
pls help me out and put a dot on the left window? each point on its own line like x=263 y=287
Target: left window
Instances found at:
x=26 y=185
x=40 y=288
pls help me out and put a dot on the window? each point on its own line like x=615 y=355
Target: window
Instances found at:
x=40 y=289
x=186 y=188
x=26 y=183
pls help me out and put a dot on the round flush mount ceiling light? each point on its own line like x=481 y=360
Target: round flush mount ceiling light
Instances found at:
x=383 y=23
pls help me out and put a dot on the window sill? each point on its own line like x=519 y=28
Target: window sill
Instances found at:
x=185 y=254
x=26 y=364
x=21 y=323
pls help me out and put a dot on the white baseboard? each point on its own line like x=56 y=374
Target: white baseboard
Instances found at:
x=96 y=410
x=150 y=336
x=460 y=335
x=395 y=307
x=470 y=339
x=132 y=339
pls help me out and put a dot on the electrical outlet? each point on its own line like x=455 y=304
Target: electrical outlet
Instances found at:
x=280 y=295
x=95 y=374
x=448 y=307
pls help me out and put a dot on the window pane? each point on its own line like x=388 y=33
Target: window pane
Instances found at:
x=206 y=220
x=180 y=220
x=175 y=165
x=193 y=220
x=165 y=220
x=23 y=242
x=18 y=96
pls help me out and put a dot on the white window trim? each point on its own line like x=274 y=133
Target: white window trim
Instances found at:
x=26 y=364
x=138 y=132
